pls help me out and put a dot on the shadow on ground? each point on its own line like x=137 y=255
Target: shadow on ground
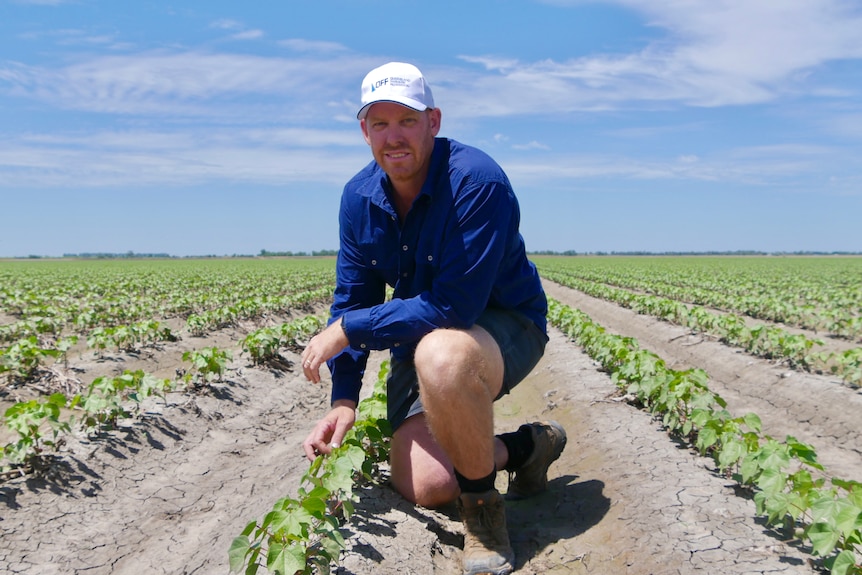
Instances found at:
x=566 y=510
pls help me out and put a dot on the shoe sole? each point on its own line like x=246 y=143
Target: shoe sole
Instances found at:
x=501 y=571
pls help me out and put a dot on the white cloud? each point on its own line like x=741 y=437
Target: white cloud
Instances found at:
x=243 y=34
x=320 y=47
x=762 y=41
x=765 y=167
x=138 y=158
x=75 y=37
x=718 y=53
x=166 y=83
x=248 y=35
x=534 y=145
x=726 y=52
x=846 y=125
x=42 y=2
x=226 y=24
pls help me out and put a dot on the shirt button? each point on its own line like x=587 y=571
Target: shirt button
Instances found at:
x=374 y=262
x=430 y=258
x=404 y=247
x=397 y=345
x=362 y=345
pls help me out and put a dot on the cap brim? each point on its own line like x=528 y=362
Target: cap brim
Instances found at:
x=408 y=102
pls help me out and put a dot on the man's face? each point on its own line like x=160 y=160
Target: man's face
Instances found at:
x=401 y=140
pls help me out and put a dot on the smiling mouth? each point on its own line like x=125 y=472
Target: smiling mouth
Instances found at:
x=397 y=154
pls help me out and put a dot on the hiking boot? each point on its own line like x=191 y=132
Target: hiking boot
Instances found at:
x=486 y=538
x=549 y=439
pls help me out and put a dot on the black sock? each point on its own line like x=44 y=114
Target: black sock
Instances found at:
x=476 y=485
x=520 y=446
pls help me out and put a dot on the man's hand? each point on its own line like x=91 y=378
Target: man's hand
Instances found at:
x=323 y=346
x=329 y=431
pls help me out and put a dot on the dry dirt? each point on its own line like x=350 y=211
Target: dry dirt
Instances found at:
x=167 y=494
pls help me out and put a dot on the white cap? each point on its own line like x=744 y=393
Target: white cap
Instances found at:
x=396 y=82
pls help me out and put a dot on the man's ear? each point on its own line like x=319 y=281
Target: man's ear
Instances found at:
x=435 y=116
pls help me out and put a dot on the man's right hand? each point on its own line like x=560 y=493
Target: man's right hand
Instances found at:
x=329 y=431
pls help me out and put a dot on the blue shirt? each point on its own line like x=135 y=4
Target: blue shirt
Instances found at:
x=458 y=252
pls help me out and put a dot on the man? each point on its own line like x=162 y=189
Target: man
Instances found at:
x=438 y=221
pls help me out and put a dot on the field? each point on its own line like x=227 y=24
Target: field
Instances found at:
x=713 y=408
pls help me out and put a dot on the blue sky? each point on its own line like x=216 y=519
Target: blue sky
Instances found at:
x=224 y=128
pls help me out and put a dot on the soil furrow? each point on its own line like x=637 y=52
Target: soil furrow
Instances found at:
x=167 y=494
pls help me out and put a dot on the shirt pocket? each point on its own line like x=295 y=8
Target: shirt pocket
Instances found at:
x=379 y=256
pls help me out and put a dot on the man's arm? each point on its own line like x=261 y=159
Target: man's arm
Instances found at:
x=471 y=259
x=357 y=287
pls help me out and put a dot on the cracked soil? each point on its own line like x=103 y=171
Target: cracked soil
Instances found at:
x=168 y=493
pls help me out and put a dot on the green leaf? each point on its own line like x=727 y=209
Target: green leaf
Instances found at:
x=752 y=420
x=285 y=559
x=237 y=552
x=347 y=508
x=706 y=438
x=333 y=544
x=293 y=523
x=803 y=452
x=731 y=452
x=771 y=481
x=749 y=468
x=341 y=476
x=840 y=513
x=320 y=492
x=845 y=563
x=315 y=506
x=253 y=565
x=356 y=455
x=686 y=427
x=774 y=455
x=249 y=529
x=823 y=538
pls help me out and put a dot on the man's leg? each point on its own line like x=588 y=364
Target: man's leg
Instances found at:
x=421 y=470
x=460 y=374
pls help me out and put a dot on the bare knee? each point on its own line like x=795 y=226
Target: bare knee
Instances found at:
x=444 y=354
x=421 y=471
x=429 y=492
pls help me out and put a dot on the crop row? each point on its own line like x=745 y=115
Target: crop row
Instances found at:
x=819 y=294
x=106 y=400
x=301 y=535
x=53 y=321
x=39 y=424
x=789 y=485
x=766 y=341
x=71 y=297
x=26 y=358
